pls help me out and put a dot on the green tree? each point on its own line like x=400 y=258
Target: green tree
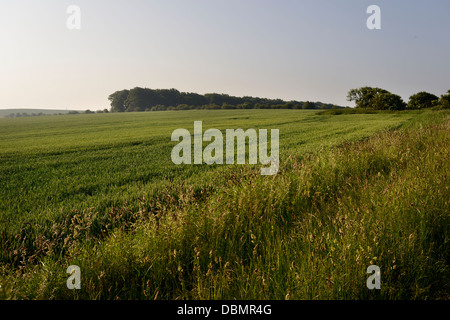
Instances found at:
x=364 y=96
x=422 y=100
x=444 y=101
x=118 y=99
x=388 y=101
x=138 y=99
x=245 y=105
x=309 y=105
x=376 y=98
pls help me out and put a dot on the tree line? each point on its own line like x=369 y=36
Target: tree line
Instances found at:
x=381 y=99
x=24 y=114
x=145 y=99
x=34 y=114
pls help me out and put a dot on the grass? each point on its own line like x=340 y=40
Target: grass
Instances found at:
x=340 y=203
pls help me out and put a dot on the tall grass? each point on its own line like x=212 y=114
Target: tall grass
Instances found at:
x=309 y=232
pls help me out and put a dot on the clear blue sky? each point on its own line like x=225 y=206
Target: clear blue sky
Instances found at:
x=291 y=49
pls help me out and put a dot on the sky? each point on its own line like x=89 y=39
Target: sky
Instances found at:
x=314 y=50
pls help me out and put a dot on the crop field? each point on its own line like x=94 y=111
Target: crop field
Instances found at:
x=100 y=191
x=54 y=165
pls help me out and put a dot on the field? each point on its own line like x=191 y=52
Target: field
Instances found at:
x=100 y=191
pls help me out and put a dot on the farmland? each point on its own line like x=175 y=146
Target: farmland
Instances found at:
x=100 y=191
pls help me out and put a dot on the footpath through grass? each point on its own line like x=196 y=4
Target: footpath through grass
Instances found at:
x=309 y=232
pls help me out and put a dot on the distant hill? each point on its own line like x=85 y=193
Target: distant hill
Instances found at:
x=31 y=112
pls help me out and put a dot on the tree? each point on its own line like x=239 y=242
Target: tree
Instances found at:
x=191 y=99
x=444 y=101
x=227 y=106
x=364 y=96
x=182 y=107
x=245 y=105
x=139 y=99
x=375 y=98
x=422 y=100
x=309 y=105
x=388 y=101
x=118 y=99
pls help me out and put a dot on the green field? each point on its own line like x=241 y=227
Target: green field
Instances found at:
x=50 y=166
x=100 y=191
